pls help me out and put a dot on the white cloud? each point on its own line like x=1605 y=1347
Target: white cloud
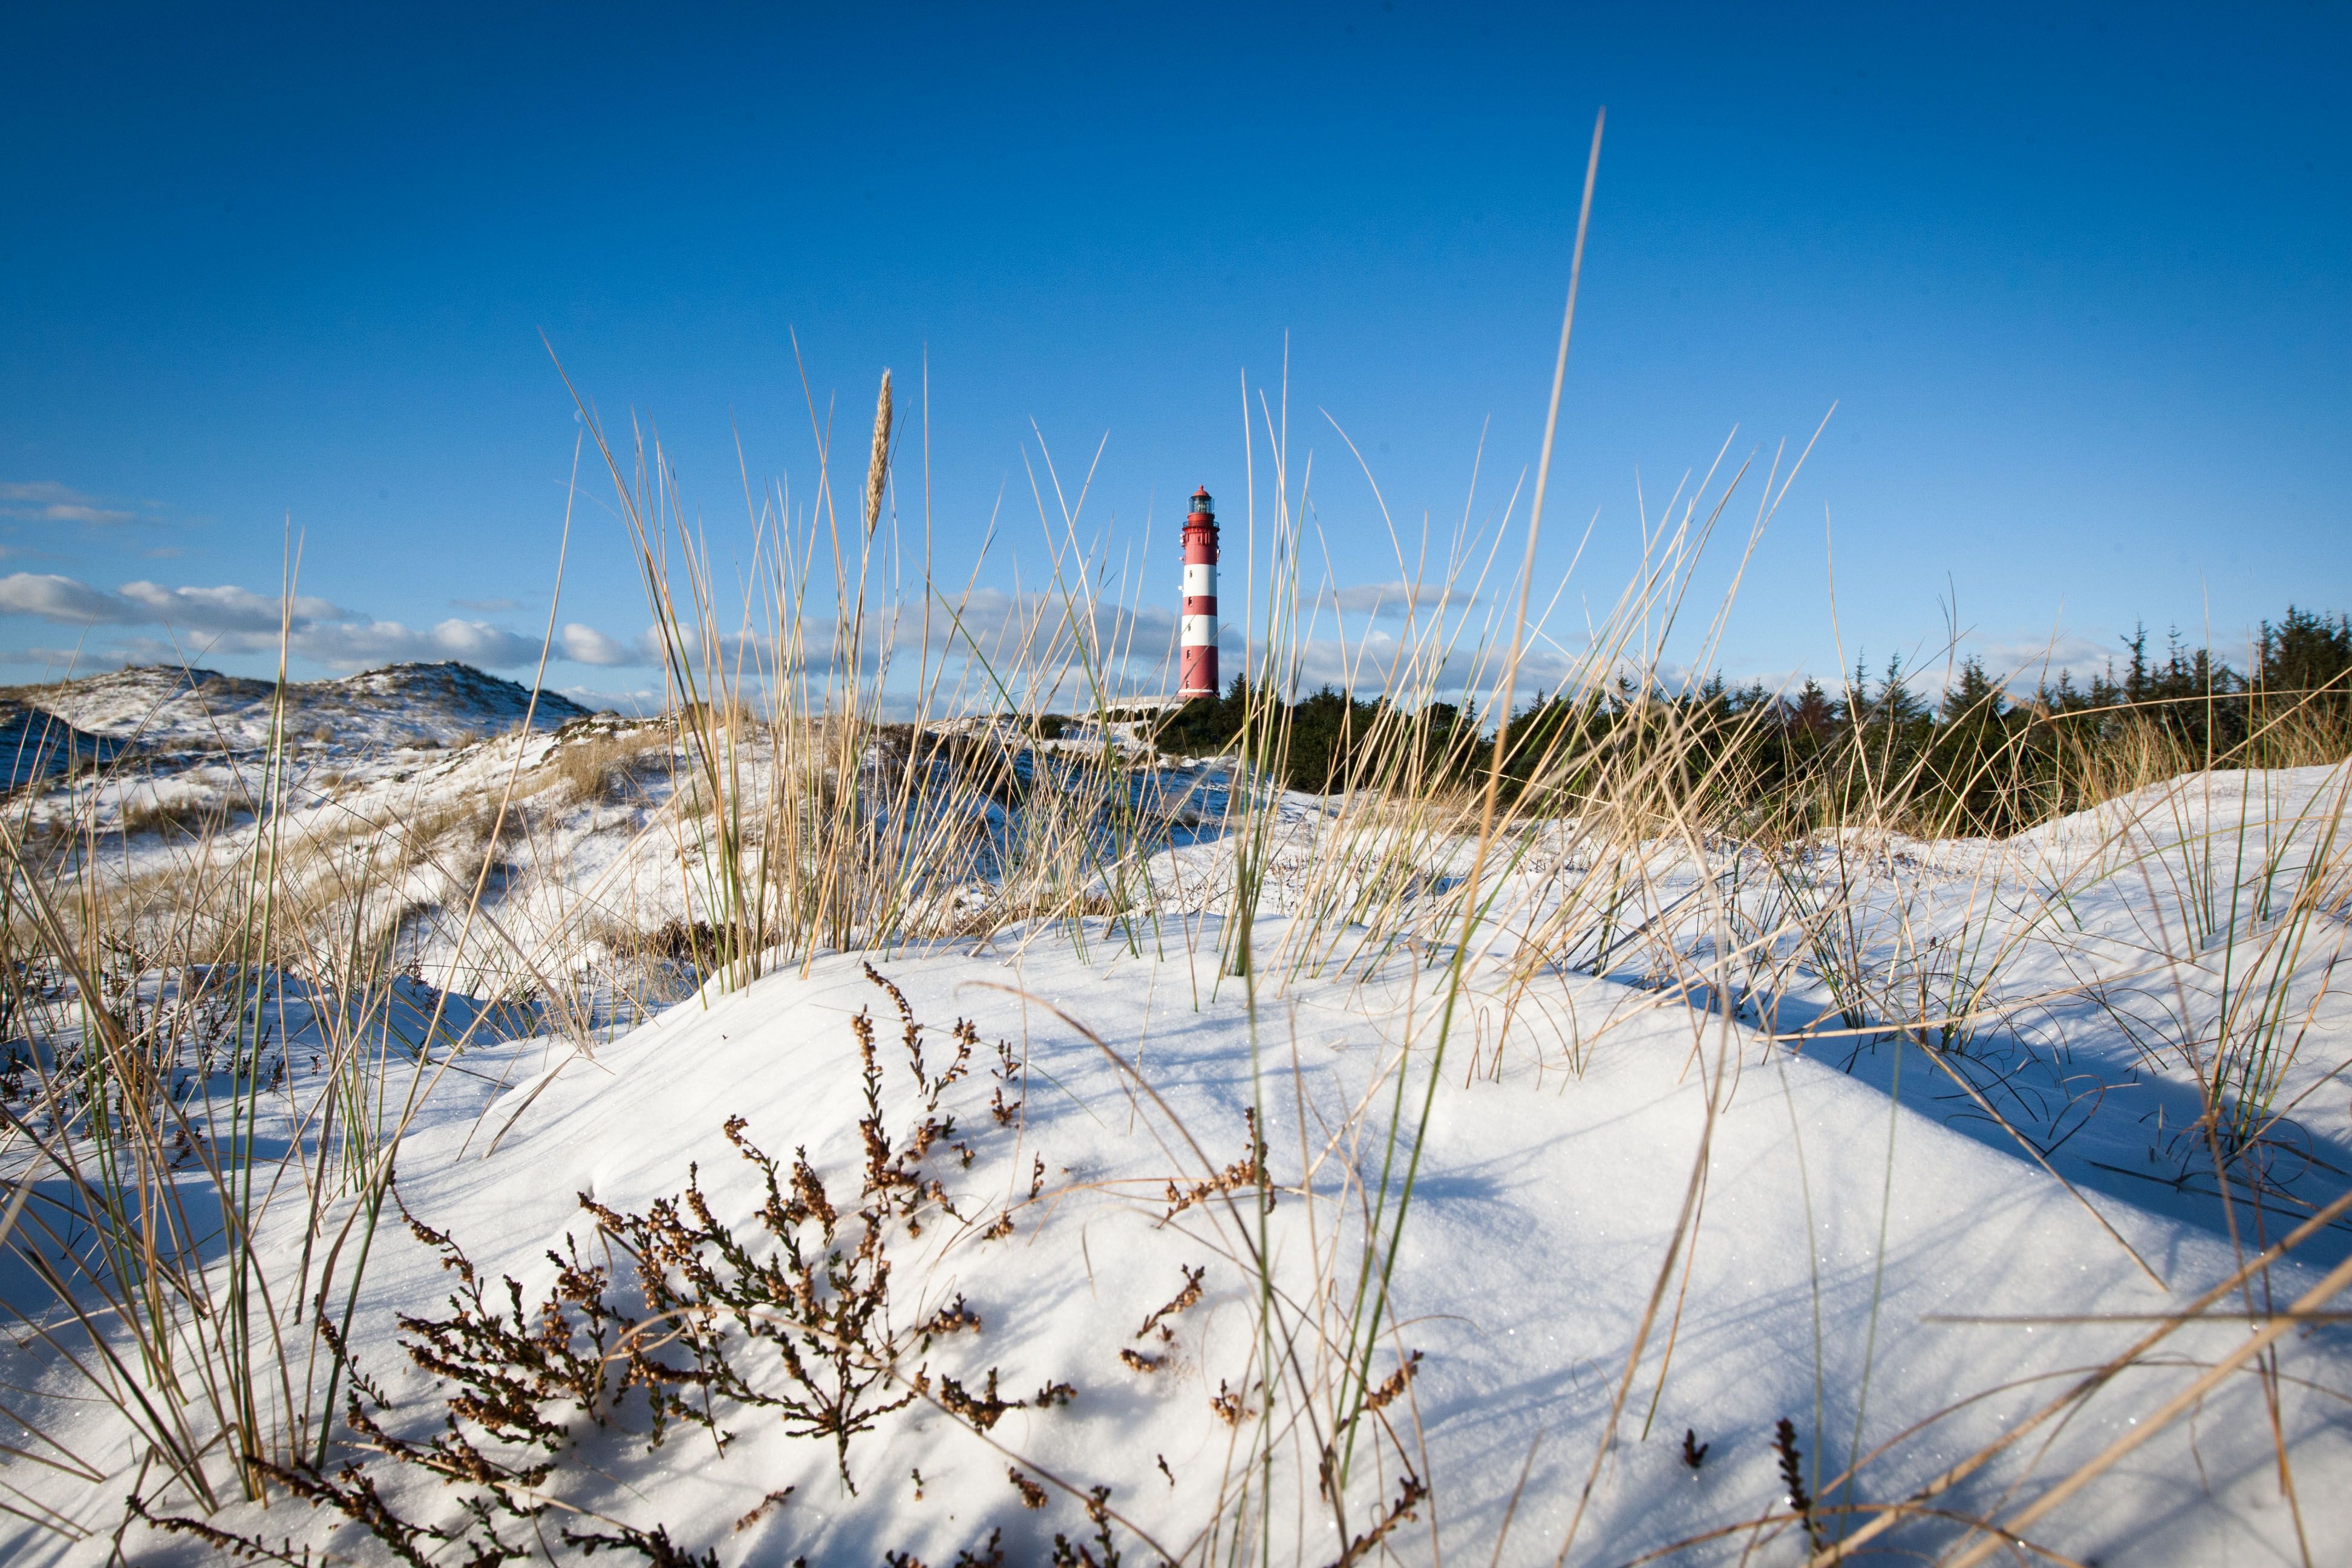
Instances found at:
x=356 y=645
x=56 y=598
x=2022 y=661
x=477 y=642
x=136 y=650
x=1444 y=668
x=53 y=502
x=55 y=661
x=227 y=609
x=637 y=704
x=1396 y=598
x=1003 y=624
x=587 y=645
x=230 y=619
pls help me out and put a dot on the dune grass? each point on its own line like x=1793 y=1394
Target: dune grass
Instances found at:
x=229 y=1043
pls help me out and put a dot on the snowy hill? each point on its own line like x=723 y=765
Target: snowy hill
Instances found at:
x=167 y=707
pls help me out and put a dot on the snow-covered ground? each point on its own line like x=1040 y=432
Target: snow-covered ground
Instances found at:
x=1680 y=1172
x=176 y=709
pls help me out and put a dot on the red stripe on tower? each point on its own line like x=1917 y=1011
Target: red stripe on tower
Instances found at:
x=1197 y=668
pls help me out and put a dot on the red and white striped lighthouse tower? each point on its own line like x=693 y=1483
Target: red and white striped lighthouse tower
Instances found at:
x=1197 y=667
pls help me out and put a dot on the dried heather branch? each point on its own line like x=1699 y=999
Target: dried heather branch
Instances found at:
x=1182 y=1298
x=1792 y=1476
x=1393 y=1384
x=1409 y=1493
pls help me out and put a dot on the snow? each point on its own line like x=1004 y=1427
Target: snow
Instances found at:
x=401 y=704
x=1851 y=1210
x=1539 y=1227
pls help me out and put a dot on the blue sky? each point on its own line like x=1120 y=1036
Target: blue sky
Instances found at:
x=2079 y=284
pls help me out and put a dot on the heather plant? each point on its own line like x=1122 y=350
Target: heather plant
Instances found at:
x=692 y=1320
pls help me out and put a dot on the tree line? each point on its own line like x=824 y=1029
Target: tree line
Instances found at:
x=1980 y=759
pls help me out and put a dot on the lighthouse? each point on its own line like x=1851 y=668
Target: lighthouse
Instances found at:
x=1197 y=669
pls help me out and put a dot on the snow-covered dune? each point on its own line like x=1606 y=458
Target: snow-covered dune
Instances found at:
x=171 y=708
x=1837 y=1239
x=1930 y=1197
